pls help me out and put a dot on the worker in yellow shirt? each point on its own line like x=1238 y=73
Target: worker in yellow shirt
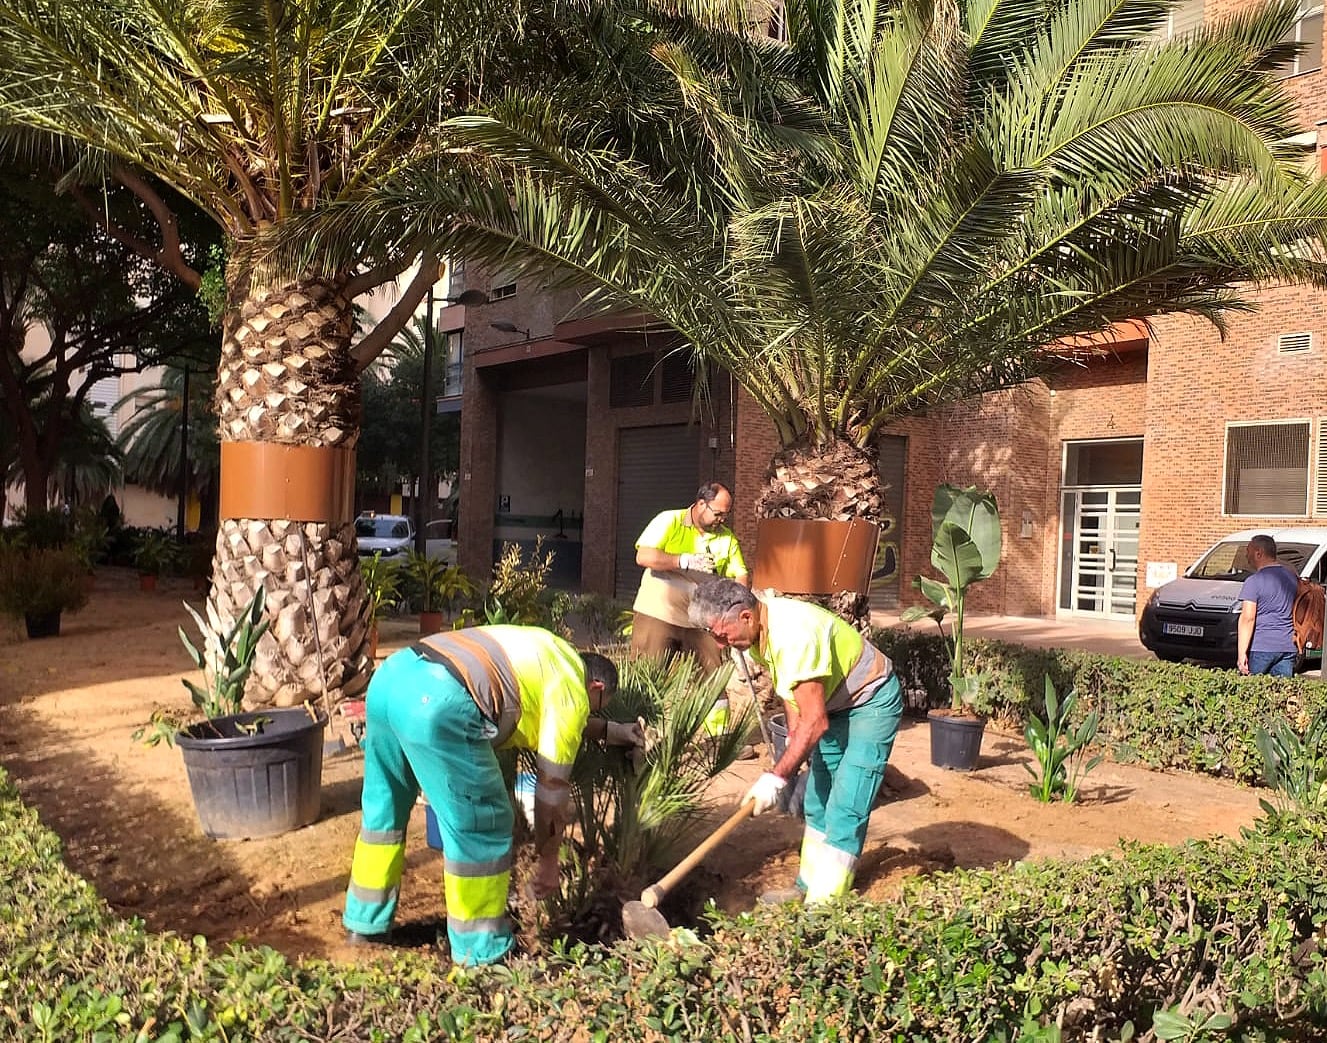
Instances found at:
x=844 y=704
x=437 y=712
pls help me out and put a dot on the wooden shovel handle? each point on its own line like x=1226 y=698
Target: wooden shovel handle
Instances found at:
x=654 y=894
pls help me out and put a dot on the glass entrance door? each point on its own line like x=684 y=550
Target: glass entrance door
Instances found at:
x=1101 y=543
x=1101 y=499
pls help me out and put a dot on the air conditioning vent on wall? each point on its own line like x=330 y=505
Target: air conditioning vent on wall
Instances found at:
x=1294 y=343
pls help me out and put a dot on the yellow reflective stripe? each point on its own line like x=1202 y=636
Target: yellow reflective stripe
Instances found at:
x=475 y=897
x=377 y=866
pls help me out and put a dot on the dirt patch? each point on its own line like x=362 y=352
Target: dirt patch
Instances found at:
x=68 y=706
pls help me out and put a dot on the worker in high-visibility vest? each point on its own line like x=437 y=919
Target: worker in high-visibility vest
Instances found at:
x=677 y=549
x=844 y=704
x=437 y=712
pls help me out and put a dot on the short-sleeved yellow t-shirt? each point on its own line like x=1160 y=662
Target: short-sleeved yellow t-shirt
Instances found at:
x=667 y=595
x=803 y=642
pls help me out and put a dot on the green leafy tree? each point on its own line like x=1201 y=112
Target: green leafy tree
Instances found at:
x=912 y=203
x=76 y=305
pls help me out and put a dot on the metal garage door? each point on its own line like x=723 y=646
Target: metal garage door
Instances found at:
x=657 y=470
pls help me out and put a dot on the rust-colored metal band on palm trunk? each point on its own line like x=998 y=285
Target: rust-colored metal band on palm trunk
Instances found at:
x=304 y=483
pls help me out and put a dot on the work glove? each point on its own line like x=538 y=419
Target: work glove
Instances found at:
x=766 y=792
x=628 y=734
x=699 y=562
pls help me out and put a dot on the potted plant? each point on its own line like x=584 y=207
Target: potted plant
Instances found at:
x=965 y=548
x=439 y=587
x=251 y=774
x=38 y=584
x=154 y=550
x=382 y=584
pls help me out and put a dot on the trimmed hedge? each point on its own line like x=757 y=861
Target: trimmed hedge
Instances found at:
x=1229 y=926
x=1164 y=715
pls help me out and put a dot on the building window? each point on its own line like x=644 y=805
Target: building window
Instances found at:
x=504 y=285
x=454 y=368
x=1267 y=469
x=101 y=400
x=1308 y=34
x=631 y=381
x=1182 y=18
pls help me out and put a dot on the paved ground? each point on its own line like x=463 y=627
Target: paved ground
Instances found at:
x=1112 y=637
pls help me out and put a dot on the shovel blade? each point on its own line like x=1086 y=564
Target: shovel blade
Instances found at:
x=640 y=921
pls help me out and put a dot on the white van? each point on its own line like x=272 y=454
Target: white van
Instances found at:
x=1197 y=615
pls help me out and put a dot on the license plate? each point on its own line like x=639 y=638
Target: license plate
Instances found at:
x=1182 y=629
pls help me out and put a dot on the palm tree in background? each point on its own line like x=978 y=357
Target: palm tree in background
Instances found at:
x=922 y=203
x=149 y=439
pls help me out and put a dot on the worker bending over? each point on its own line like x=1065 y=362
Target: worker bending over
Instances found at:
x=843 y=706
x=436 y=714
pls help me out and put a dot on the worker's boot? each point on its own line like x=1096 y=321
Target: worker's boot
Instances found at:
x=355 y=938
x=782 y=896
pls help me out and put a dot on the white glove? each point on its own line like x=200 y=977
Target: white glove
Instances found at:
x=620 y=734
x=700 y=562
x=765 y=792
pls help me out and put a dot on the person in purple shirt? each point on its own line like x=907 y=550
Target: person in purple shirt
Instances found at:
x=1266 y=631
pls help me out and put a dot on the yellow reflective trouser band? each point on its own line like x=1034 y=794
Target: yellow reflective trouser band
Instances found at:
x=826 y=872
x=477 y=926
x=375 y=877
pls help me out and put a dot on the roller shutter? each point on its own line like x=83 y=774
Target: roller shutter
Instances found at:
x=657 y=470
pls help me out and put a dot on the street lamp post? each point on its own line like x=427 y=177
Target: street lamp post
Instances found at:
x=427 y=408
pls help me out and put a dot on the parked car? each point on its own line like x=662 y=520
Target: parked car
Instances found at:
x=1197 y=615
x=390 y=534
x=438 y=542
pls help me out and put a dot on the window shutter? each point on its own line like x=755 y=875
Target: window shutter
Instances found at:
x=1267 y=469
x=1294 y=343
x=675 y=371
x=1320 y=493
x=631 y=381
x=101 y=400
x=1185 y=18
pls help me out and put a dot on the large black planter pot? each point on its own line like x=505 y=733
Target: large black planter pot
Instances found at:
x=955 y=740
x=47 y=625
x=255 y=785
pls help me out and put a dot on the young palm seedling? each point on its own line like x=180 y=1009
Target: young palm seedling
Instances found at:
x=1059 y=750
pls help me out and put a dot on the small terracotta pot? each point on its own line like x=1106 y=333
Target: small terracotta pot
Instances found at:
x=429 y=623
x=147 y=581
x=373 y=642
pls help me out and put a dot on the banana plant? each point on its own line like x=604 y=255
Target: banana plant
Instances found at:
x=965 y=548
x=1058 y=749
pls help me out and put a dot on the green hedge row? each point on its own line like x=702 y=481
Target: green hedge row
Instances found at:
x=1164 y=715
x=1152 y=936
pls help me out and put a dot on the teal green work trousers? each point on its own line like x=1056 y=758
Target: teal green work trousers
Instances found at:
x=424 y=731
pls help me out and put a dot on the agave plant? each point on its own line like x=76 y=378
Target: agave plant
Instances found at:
x=630 y=815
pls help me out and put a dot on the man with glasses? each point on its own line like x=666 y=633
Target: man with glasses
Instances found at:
x=677 y=549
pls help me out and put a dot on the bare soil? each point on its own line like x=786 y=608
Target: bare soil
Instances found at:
x=68 y=706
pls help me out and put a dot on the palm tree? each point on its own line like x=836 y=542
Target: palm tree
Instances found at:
x=150 y=438
x=258 y=112
x=922 y=202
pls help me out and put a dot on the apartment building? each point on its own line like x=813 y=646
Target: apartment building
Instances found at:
x=1112 y=474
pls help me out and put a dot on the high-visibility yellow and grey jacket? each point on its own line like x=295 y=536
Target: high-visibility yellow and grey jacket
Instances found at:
x=667 y=595
x=530 y=684
x=804 y=642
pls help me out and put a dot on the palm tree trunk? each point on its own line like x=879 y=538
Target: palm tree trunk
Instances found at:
x=835 y=480
x=286 y=377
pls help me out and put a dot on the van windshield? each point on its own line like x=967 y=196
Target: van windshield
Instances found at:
x=1230 y=560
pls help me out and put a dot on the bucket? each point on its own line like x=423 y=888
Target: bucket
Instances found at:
x=778 y=734
x=525 y=781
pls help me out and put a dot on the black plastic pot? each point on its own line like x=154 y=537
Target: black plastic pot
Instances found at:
x=255 y=774
x=45 y=625
x=955 y=740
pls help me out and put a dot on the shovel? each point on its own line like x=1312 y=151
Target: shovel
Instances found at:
x=642 y=919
